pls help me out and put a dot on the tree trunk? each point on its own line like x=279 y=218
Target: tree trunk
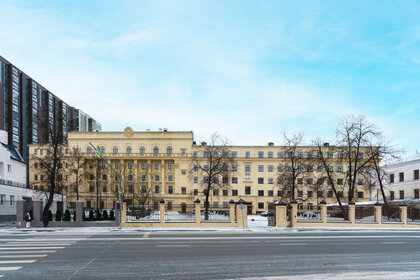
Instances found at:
x=206 y=204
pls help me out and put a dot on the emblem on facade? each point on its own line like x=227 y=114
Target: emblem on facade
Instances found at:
x=128 y=132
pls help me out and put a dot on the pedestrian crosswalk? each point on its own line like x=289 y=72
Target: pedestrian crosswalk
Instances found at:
x=16 y=253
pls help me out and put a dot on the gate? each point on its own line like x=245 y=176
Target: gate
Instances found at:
x=271 y=215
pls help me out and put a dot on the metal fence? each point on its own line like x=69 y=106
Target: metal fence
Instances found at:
x=309 y=213
x=215 y=214
x=335 y=214
x=391 y=213
x=180 y=212
x=142 y=213
x=413 y=214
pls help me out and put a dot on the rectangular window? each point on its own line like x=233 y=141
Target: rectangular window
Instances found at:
x=260 y=154
x=234 y=154
x=330 y=194
x=234 y=167
x=117 y=165
x=279 y=154
x=234 y=180
x=319 y=168
x=270 y=154
x=247 y=154
x=270 y=193
x=215 y=204
x=130 y=165
x=339 y=168
x=170 y=178
x=401 y=194
x=195 y=154
x=130 y=177
x=247 y=176
x=157 y=178
x=260 y=180
x=88 y=204
x=156 y=189
x=339 y=181
x=391 y=178
x=169 y=205
x=360 y=181
x=225 y=193
x=170 y=166
x=196 y=180
x=260 y=168
x=183 y=190
x=195 y=191
x=320 y=193
x=309 y=155
x=234 y=192
x=416 y=193
x=360 y=195
x=270 y=180
x=300 y=193
x=260 y=205
x=248 y=190
x=271 y=168
x=340 y=193
x=170 y=189
x=225 y=204
x=156 y=165
x=216 y=192
x=143 y=165
x=391 y=195
x=401 y=176
x=309 y=181
x=279 y=168
x=300 y=180
x=299 y=155
x=329 y=155
x=260 y=192
x=9 y=168
x=91 y=188
x=143 y=177
x=416 y=174
x=247 y=168
x=310 y=193
x=280 y=193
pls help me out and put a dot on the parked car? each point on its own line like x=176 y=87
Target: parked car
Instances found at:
x=309 y=214
x=264 y=214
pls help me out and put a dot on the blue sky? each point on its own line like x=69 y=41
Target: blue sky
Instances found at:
x=249 y=70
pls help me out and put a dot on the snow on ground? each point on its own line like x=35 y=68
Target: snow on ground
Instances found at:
x=345 y=275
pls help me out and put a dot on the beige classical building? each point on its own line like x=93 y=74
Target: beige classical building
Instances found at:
x=161 y=162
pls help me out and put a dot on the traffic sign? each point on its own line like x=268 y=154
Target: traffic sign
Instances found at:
x=241 y=206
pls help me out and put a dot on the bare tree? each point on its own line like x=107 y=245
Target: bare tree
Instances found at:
x=75 y=168
x=49 y=162
x=354 y=136
x=296 y=169
x=213 y=168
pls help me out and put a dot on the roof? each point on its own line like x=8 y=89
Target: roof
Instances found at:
x=14 y=153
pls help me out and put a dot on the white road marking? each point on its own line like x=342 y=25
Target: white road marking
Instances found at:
x=9 y=268
x=22 y=256
x=35 y=244
x=393 y=242
x=292 y=244
x=173 y=245
x=27 y=252
x=17 y=261
x=30 y=248
x=146 y=234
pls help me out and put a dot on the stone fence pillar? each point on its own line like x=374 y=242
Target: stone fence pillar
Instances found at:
x=117 y=213
x=403 y=213
x=281 y=213
x=20 y=212
x=378 y=212
x=323 y=204
x=352 y=212
x=162 y=210
x=197 y=211
x=293 y=215
x=79 y=211
x=123 y=212
x=241 y=214
x=37 y=211
x=232 y=217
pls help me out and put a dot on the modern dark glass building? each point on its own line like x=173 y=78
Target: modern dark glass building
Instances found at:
x=25 y=106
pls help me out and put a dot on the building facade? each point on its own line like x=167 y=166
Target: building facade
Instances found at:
x=161 y=162
x=401 y=180
x=25 y=105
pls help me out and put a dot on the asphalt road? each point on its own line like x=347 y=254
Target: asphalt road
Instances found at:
x=211 y=255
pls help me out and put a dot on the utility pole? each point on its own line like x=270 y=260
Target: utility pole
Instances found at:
x=99 y=154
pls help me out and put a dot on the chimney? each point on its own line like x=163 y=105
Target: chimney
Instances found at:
x=270 y=144
x=326 y=144
x=194 y=143
x=165 y=130
x=203 y=143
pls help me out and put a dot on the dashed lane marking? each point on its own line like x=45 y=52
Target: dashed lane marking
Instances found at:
x=10 y=268
x=27 y=252
x=393 y=242
x=22 y=256
x=30 y=248
x=17 y=261
x=34 y=244
x=146 y=234
x=173 y=245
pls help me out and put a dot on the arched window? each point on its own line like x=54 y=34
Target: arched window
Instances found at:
x=102 y=150
x=156 y=150
x=128 y=150
x=169 y=150
x=142 y=150
x=115 y=150
x=89 y=150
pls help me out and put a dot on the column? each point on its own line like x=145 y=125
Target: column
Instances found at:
x=79 y=211
x=352 y=212
x=162 y=166
x=378 y=212
x=197 y=211
x=403 y=213
x=281 y=214
x=162 y=210
x=293 y=215
x=323 y=211
x=20 y=212
x=37 y=211
x=241 y=214
x=149 y=175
